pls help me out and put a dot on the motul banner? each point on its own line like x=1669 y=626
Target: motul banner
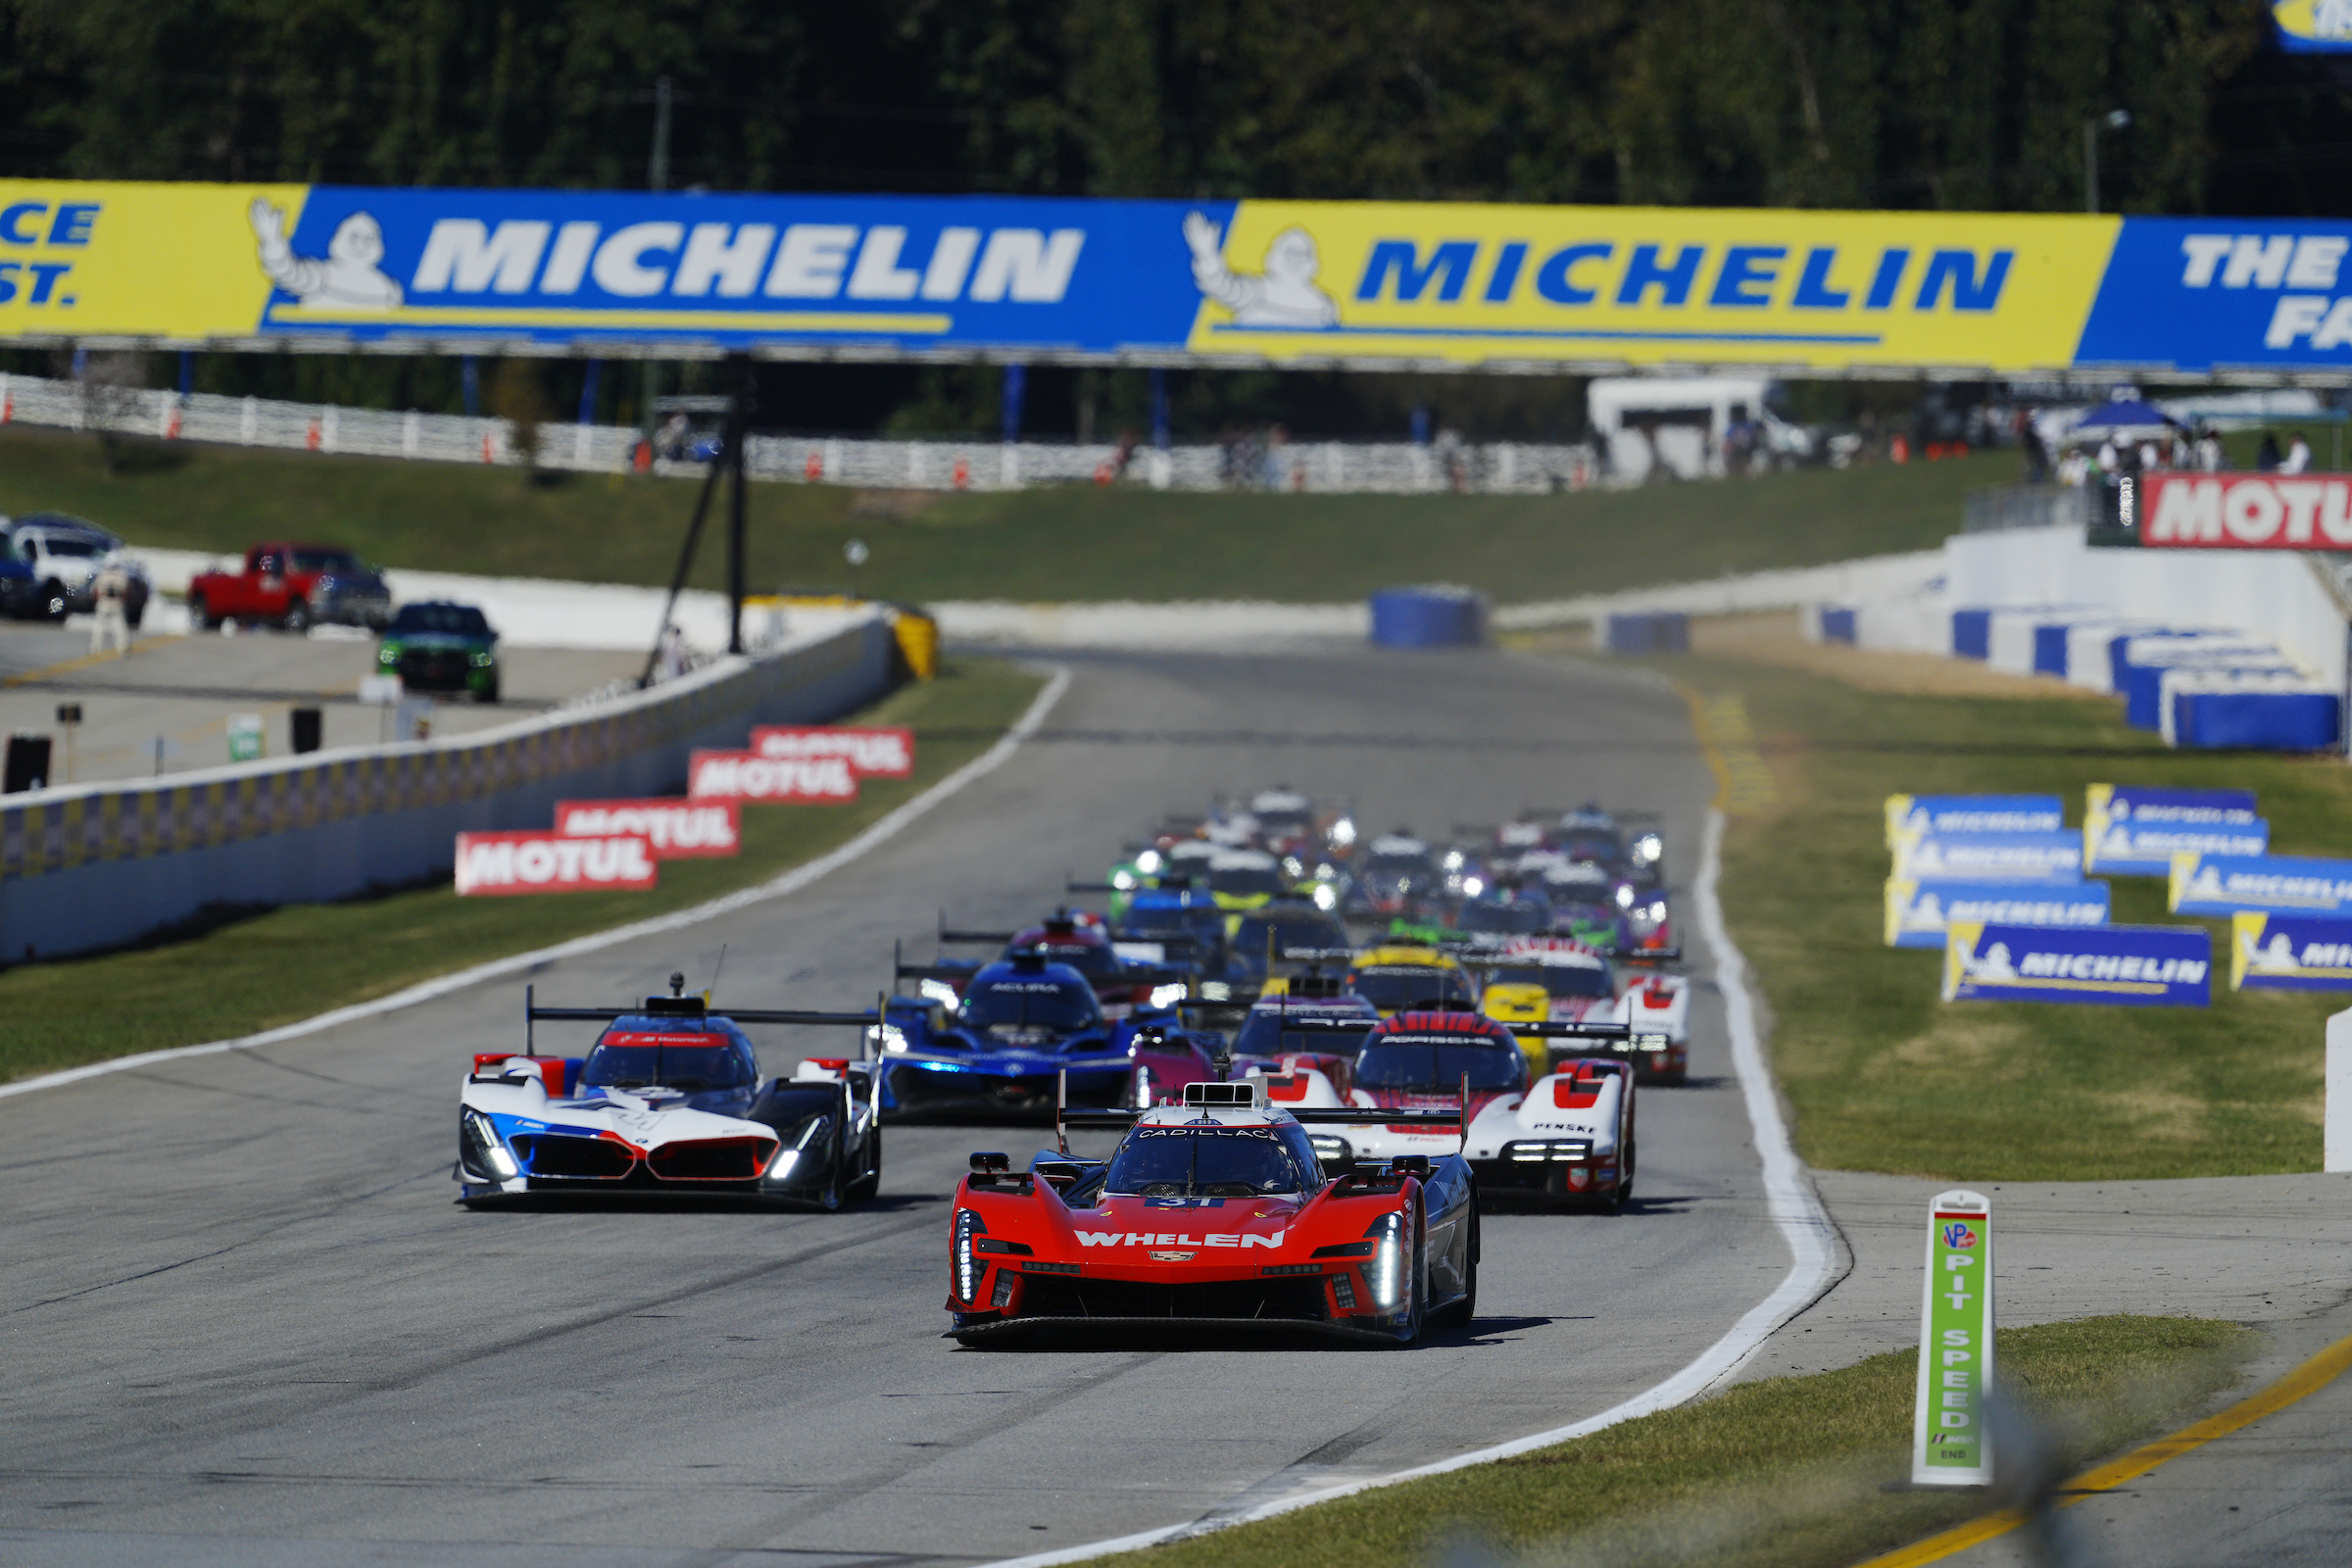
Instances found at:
x=749 y=776
x=2246 y=511
x=532 y=861
x=871 y=753
x=678 y=830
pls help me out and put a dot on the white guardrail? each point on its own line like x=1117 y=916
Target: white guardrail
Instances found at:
x=1317 y=466
x=96 y=865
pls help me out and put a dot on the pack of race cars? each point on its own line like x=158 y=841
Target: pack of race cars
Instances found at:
x=1307 y=1113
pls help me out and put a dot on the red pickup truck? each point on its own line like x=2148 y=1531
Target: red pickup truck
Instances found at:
x=293 y=586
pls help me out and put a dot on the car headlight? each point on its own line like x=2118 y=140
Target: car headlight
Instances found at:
x=965 y=1256
x=780 y=1168
x=1342 y=832
x=1473 y=886
x=1453 y=860
x=1648 y=847
x=481 y=1135
x=1386 y=1272
x=1326 y=896
x=1169 y=995
x=939 y=991
x=1149 y=862
x=893 y=1038
x=482 y=660
x=1625 y=898
x=387 y=655
x=1658 y=910
x=1123 y=880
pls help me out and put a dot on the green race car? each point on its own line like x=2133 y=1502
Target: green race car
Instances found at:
x=441 y=647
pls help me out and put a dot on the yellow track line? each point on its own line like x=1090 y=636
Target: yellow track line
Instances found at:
x=86 y=660
x=2307 y=1378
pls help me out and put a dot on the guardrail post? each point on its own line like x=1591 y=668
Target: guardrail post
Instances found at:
x=2336 y=1120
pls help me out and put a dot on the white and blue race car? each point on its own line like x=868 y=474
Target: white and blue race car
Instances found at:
x=669 y=1100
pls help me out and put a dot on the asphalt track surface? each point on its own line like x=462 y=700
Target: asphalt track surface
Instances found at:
x=247 y=1324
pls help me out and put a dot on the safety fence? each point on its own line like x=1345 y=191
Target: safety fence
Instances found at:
x=1330 y=468
x=91 y=867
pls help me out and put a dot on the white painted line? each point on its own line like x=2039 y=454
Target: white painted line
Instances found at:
x=1789 y=1196
x=790 y=882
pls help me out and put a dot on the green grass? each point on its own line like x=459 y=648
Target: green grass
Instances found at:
x=1784 y=1473
x=289 y=964
x=1068 y=542
x=1883 y=1074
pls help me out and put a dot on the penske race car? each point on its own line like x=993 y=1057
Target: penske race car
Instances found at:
x=1568 y=1134
x=1025 y=1033
x=1561 y=980
x=1213 y=1212
x=669 y=1100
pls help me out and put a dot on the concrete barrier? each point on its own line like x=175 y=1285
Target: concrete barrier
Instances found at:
x=98 y=865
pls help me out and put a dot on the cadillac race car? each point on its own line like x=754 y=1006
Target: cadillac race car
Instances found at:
x=1568 y=1135
x=1213 y=1212
x=1024 y=1032
x=669 y=1099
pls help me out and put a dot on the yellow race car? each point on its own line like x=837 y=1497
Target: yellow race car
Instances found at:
x=1400 y=975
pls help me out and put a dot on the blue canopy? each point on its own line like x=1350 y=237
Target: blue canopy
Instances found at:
x=2126 y=413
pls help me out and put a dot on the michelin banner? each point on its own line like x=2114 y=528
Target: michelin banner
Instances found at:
x=2118 y=965
x=2289 y=952
x=1918 y=914
x=1308 y=283
x=1913 y=817
x=2285 y=883
x=1992 y=857
x=2136 y=830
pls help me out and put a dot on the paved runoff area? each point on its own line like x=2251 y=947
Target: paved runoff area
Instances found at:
x=164 y=706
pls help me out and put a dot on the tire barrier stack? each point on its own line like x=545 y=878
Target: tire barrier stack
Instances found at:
x=1664 y=632
x=1440 y=615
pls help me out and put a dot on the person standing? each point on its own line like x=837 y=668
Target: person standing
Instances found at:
x=110 y=591
x=2266 y=456
x=2298 y=455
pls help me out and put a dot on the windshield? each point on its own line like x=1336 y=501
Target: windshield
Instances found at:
x=1519 y=917
x=1589 y=845
x=1287 y=933
x=457 y=620
x=630 y=1059
x=1556 y=979
x=1087 y=957
x=1030 y=1006
x=1240 y=880
x=1435 y=1064
x=1285 y=823
x=1262 y=1034
x=1208 y=922
x=342 y=561
x=1390 y=987
x=79 y=549
x=1205 y=1162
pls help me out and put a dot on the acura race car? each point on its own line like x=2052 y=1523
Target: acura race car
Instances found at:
x=669 y=1099
x=1213 y=1211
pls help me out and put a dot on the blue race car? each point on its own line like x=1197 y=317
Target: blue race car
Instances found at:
x=1024 y=1032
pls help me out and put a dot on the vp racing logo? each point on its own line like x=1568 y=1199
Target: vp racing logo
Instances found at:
x=1957 y=1234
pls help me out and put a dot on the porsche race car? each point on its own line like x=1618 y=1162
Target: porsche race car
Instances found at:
x=669 y=1099
x=1213 y=1212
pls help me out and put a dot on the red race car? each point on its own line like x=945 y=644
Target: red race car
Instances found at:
x=1214 y=1213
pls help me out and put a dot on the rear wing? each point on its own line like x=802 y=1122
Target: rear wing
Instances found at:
x=1119 y=1120
x=684 y=1007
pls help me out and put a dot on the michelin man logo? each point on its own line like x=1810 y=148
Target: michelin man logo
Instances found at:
x=346 y=278
x=2277 y=956
x=1994 y=965
x=2206 y=884
x=1285 y=294
x=1925 y=915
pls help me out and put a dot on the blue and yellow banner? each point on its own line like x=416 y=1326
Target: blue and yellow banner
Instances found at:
x=2289 y=952
x=2118 y=965
x=1202 y=283
x=1919 y=914
x=2285 y=883
x=1914 y=816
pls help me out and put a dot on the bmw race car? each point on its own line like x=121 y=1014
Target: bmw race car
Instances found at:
x=1567 y=1134
x=1024 y=1033
x=1214 y=1212
x=670 y=1099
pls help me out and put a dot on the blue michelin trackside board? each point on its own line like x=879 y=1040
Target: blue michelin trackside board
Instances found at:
x=1916 y=815
x=2117 y=965
x=2289 y=952
x=1992 y=857
x=2136 y=829
x=2285 y=883
x=1917 y=913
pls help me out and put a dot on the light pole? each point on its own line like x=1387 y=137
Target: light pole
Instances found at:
x=2113 y=120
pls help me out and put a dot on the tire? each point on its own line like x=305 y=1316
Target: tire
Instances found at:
x=1416 y=1317
x=1462 y=1313
x=866 y=1187
x=488 y=694
x=200 y=614
x=296 y=619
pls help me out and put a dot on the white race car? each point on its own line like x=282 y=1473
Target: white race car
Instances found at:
x=1568 y=1134
x=1562 y=980
x=670 y=1099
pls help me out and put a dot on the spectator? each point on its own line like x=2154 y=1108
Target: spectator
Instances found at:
x=2266 y=458
x=2210 y=456
x=2298 y=455
x=108 y=593
x=2032 y=448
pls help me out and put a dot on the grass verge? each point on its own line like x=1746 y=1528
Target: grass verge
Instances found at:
x=272 y=968
x=1882 y=1074
x=1784 y=1473
x=1066 y=543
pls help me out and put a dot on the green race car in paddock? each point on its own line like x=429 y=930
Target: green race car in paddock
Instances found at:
x=439 y=647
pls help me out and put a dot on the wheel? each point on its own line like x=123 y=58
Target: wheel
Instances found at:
x=1462 y=1313
x=296 y=619
x=1417 y=1289
x=866 y=1188
x=54 y=600
x=488 y=694
x=200 y=614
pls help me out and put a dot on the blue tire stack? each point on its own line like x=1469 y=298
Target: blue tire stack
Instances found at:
x=1438 y=616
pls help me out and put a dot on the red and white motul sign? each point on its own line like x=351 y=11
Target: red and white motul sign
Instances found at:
x=872 y=753
x=2246 y=511
x=678 y=830
x=534 y=862
x=749 y=776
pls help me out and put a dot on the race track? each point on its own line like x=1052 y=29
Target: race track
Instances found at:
x=248 y=1326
